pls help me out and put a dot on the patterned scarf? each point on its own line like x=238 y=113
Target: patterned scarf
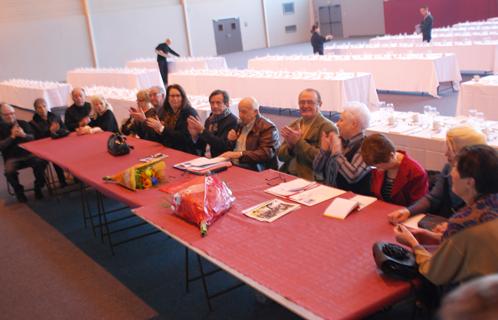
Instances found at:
x=170 y=118
x=212 y=121
x=483 y=210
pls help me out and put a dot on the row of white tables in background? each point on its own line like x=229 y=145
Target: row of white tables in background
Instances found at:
x=437 y=37
x=115 y=77
x=481 y=95
x=122 y=100
x=400 y=72
x=474 y=56
x=281 y=89
x=424 y=136
x=177 y=64
x=461 y=29
x=22 y=93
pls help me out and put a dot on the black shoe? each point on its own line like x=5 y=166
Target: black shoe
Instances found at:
x=38 y=194
x=21 y=197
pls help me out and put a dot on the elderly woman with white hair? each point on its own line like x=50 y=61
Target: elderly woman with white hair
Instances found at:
x=339 y=162
x=102 y=115
x=441 y=200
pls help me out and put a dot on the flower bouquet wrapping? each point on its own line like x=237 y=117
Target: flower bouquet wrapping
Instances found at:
x=140 y=176
x=203 y=201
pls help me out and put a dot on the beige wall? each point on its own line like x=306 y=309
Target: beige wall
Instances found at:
x=277 y=22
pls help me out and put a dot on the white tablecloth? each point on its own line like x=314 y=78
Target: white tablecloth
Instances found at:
x=22 y=93
x=281 y=89
x=477 y=56
x=437 y=37
x=481 y=95
x=181 y=64
x=122 y=99
x=425 y=71
x=422 y=143
x=119 y=78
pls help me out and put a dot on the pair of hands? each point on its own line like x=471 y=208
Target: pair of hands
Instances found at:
x=16 y=132
x=137 y=114
x=412 y=237
x=331 y=142
x=87 y=130
x=54 y=126
x=232 y=136
x=290 y=135
x=194 y=126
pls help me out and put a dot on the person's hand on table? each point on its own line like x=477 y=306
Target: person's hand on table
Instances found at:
x=404 y=236
x=155 y=125
x=232 y=154
x=84 y=122
x=426 y=237
x=54 y=126
x=398 y=216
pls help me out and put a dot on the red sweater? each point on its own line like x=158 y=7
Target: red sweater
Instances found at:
x=410 y=184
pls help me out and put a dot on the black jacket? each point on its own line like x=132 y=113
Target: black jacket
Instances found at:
x=216 y=136
x=178 y=138
x=74 y=114
x=106 y=122
x=10 y=147
x=317 y=42
x=426 y=28
x=140 y=128
x=41 y=127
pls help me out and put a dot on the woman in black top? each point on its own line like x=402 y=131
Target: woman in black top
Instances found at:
x=44 y=123
x=317 y=40
x=102 y=115
x=171 y=125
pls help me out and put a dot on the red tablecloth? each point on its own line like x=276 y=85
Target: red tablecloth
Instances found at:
x=315 y=266
x=320 y=264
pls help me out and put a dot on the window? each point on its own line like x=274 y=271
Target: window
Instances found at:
x=234 y=26
x=290 y=29
x=220 y=27
x=288 y=8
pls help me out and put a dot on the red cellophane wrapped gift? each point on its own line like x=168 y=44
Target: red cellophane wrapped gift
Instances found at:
x=203 y=201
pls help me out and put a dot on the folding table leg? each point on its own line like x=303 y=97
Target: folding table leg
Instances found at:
x=204 y=283
x=187 y=280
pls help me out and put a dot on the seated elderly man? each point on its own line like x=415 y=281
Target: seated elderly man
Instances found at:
x=12 y=133
x=77 y=115
x=339 y=162
x=255 y=141
x=211 y=138
x=302 y=137
x=156 y=96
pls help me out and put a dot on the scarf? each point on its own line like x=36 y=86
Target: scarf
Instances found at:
x=483 y=210
x=213 y=120
x=170 y=118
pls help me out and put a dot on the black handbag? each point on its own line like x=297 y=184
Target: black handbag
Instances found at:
x=395 y=261
x=117 y=145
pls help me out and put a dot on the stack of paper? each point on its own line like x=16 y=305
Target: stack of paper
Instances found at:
x=340 y=208
x=305 y=192
x=204 y=165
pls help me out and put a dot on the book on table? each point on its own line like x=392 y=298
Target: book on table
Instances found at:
x=204 y=165
x=305 y=192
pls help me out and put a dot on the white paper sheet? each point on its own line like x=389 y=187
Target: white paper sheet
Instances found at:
x=363 y=200
x=316 y=195
x=340 y=208
x=292 y=187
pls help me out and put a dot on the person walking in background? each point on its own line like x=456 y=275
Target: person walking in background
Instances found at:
x=426 y=24
x=163 y=50
x=317 y=40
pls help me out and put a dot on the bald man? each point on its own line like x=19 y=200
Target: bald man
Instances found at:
x=12 y=133
x=255 y=141
x=78 y=114
x=163 y=50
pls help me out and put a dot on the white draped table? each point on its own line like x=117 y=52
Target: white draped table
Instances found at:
x=407 y=72
x=281 y=89
x=180 y=64
x=480 y=95
x=438 y=37
x=22 y=93
x=115 y=77
x=424 y=144
x=471 y=56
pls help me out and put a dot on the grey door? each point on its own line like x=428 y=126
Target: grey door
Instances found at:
x=330 y=18
x=227 y=35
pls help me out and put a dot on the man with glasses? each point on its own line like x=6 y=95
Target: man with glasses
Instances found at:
x=211 y=138
x=302 y=137
x=12 y=133
x=156 y=96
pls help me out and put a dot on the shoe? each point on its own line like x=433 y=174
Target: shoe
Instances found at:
x=38 y=194
x=21 y=197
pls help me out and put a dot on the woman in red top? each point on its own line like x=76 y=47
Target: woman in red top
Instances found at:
x=396 y=178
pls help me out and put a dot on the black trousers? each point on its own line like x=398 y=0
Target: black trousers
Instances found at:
x=163 y=68
x=13 y=165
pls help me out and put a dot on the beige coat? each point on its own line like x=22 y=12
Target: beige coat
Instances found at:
x=298 y=161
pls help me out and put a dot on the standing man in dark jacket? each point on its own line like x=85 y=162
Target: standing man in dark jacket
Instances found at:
x=45 y=123
x=163 y=50
x=211 y=139
x=426 y=24
x=12 y=133
x=256 y=140
x=317 y=40
x=78 y=114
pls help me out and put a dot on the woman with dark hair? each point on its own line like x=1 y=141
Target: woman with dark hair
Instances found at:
x=317 y=40
x=468 y=246
x=171 y=123
x=397 y=178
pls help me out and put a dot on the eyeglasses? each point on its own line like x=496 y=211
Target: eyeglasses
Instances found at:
x=307 y=102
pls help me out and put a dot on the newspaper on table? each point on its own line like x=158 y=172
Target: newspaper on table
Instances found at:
x=270 y=210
